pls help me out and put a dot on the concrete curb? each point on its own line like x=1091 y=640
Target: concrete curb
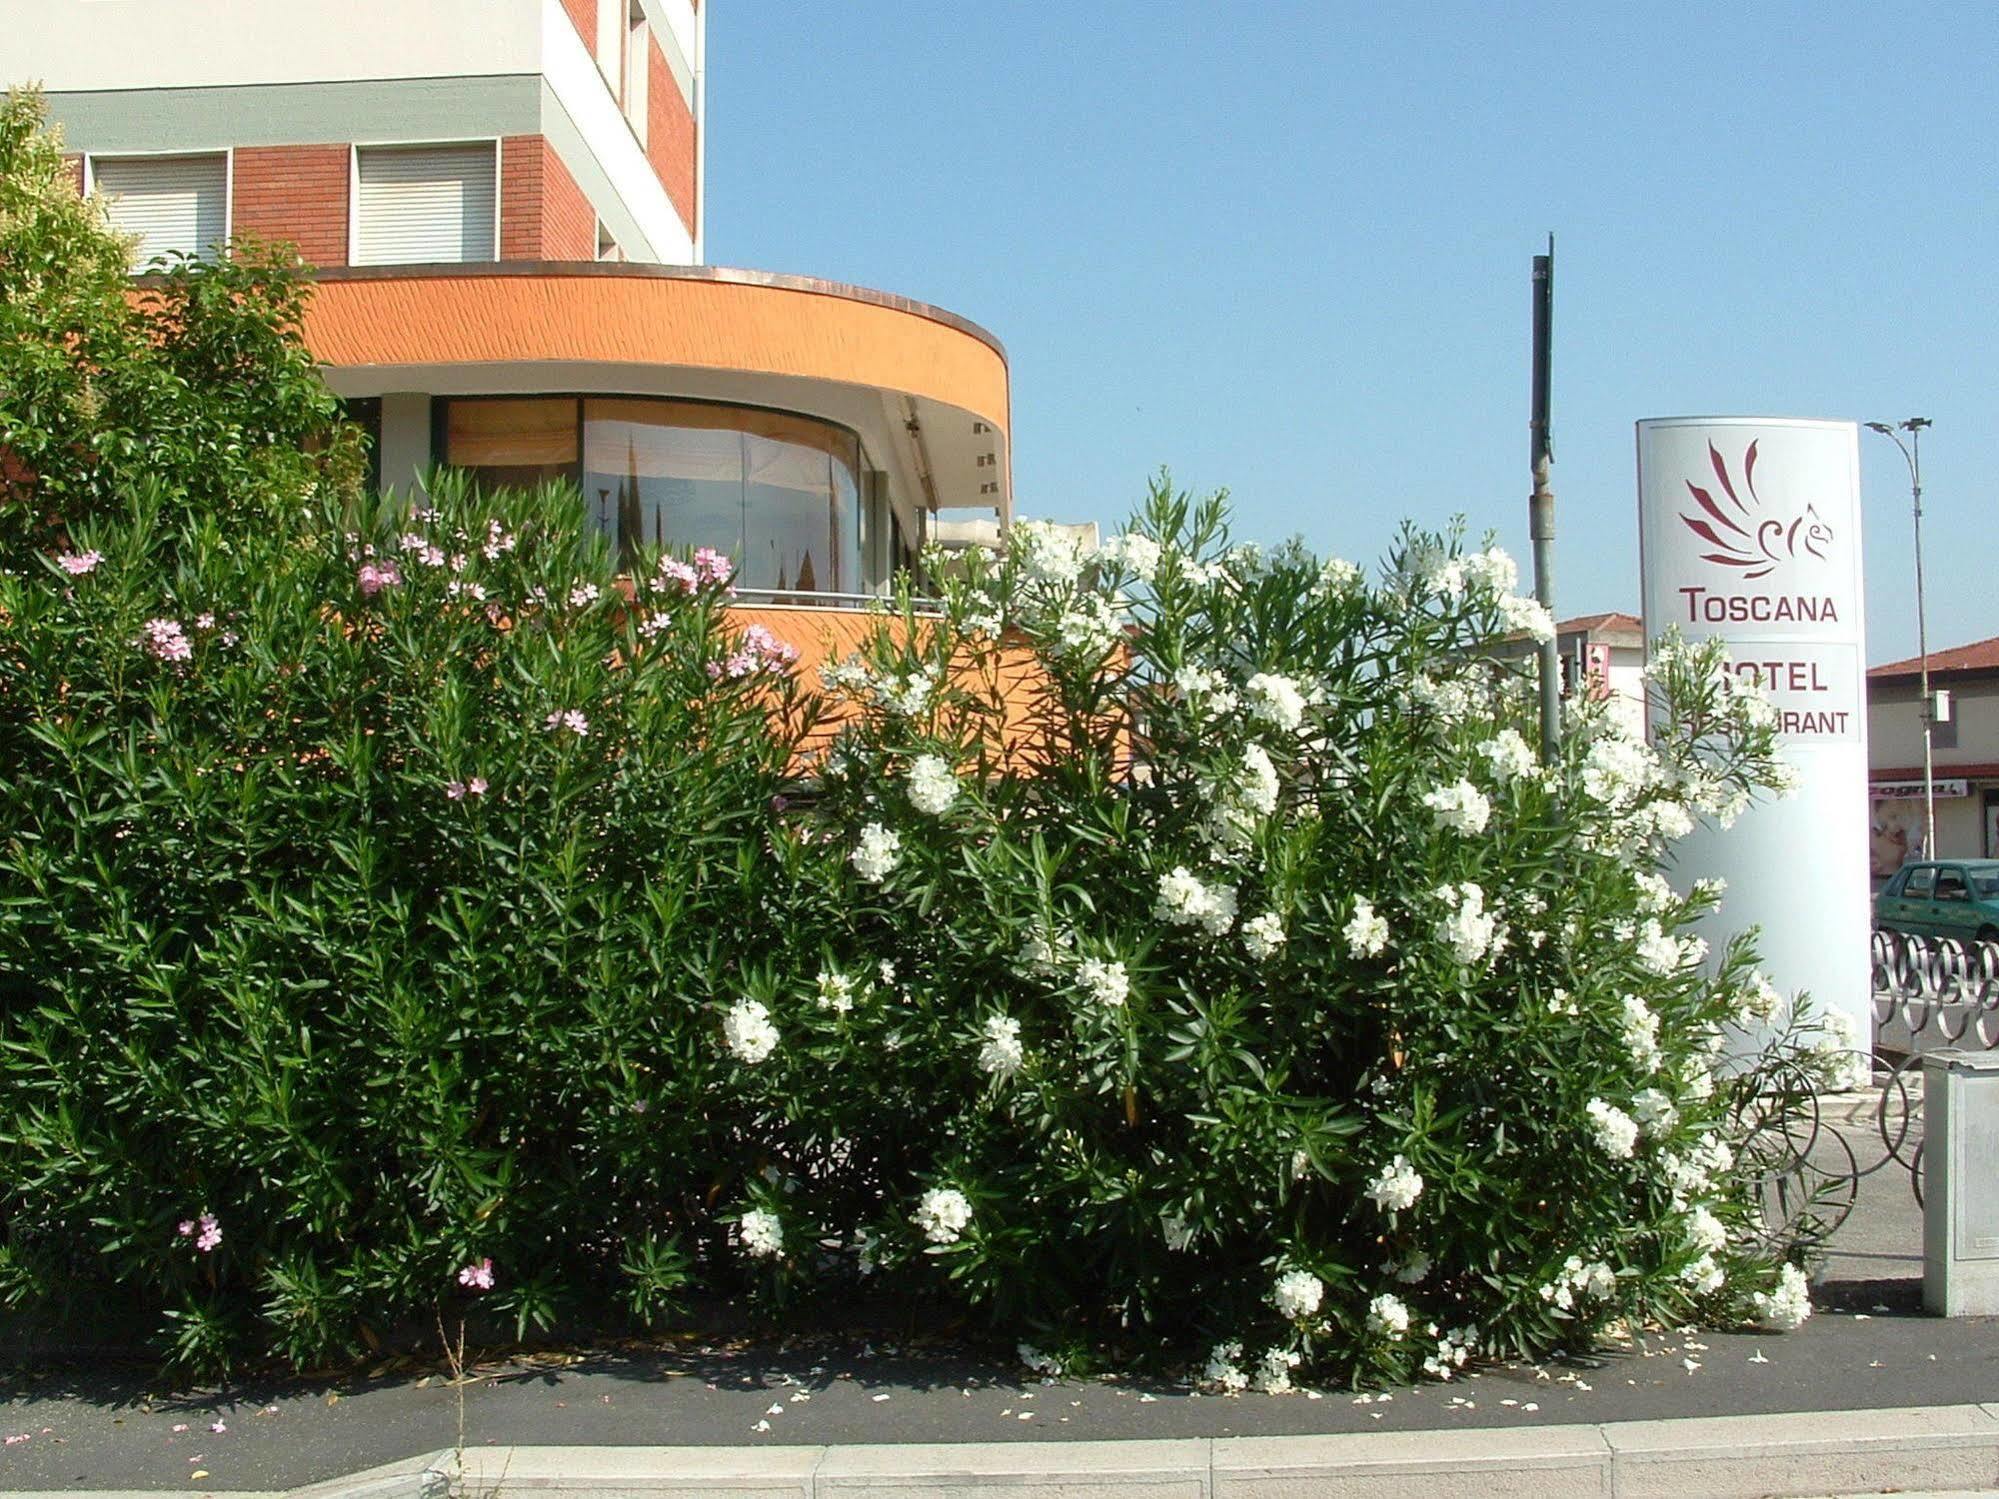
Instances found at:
x=1809 y=1455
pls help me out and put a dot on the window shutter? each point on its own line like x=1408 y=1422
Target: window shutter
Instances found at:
x=419 y=204
x=170 y=202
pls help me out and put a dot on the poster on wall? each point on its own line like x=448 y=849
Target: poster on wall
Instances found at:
x=1749 y=531
x=1894 y=833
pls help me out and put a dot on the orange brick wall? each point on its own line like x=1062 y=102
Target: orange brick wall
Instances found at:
x=543 y=213
x=670 y=134
x=295 y=193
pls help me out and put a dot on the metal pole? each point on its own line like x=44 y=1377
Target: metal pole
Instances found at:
x=1541 y=504
x=1912 y=455
x=1915 y=427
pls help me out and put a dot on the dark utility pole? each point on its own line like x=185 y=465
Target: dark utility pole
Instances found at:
x=1541 y=505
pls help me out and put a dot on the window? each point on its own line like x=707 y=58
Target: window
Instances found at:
x=638 y=68
x=512 y=442
x=1950 y=884
x=172 y=203
x=1922 y=879
x=415 y=205
x=779 y=494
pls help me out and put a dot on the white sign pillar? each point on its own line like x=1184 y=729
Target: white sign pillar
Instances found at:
x=1749 y=530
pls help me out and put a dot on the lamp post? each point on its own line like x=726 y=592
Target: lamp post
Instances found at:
x=1912 y=454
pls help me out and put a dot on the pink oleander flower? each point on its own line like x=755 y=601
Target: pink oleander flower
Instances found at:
x=675 y=574
x=375 y=576
x=476 y=786
x=217 y=1427
x=712 y=567
x=210 y=1235
x=76 y=564
x=204 y=621
x=758 y=650
x=454 y=791
x=166 y=641
x=571 y=719
x=186 y=1228
x=477 y=1277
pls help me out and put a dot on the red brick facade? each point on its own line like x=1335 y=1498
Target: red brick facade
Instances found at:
x=295 y=193
x=670 y=134
x=543 y=213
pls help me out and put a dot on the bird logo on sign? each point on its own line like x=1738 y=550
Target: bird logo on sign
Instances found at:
x=1742 y=535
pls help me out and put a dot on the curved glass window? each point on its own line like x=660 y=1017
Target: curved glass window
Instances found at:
x=780 y=494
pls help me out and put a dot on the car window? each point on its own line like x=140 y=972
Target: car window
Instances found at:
x=1921 y=879
x=1950 y=884
x=1985 y=883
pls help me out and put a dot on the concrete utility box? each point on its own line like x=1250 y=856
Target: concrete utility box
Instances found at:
x=1961 y=1183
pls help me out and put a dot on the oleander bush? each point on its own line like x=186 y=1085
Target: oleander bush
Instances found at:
x=1241 y=973
x=1176 y=951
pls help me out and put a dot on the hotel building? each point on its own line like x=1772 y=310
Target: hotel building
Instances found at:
x=505 y=201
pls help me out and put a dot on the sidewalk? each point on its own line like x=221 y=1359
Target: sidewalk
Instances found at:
x=1685 y=1414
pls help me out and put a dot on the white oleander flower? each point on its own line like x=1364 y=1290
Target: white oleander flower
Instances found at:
x=1529 y=617
x=1703 y=1276
x=747 y=1031
x=1616 y=769
x=1184 y=900
x=1396 y=1186
x=1463 y=808
x=1263 y=935
x=1275 y=699
x=1654 y=1112
x=1138 y=553
x=762 y=1234
x=1273 y=1371
x=1106 y=983
x=1297 y=1294
x=1001 y=1052
x=942 y=1213
x=1786 y=1307
x=1387 y=1314
x=1337 y=579
x=836 y=992
x=1706 y=1232
x=1640 y=1029
x=932 y=786
x=1257 y=788
x=1509 y=755
x=1414 y=1270
x=1616 y=1131
x=877 y=854
x=1050 y=553
x=1658 y=950
x=1205 y=690
x=1490 y=571
x=1366 y=932
x=1090 y=627
x=1654 y=894
x=1758 y=998
x=1224 y=1370
x=1470 y=931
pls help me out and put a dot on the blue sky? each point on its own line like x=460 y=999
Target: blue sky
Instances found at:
x=1284 y=248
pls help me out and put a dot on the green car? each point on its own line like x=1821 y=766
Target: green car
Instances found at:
x=1959 y=899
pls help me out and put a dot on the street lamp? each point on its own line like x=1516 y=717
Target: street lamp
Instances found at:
x=1912 y=454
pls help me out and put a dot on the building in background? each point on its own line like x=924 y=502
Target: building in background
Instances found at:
x=1603 y=658
x=1965 y=748
x=505 y=201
